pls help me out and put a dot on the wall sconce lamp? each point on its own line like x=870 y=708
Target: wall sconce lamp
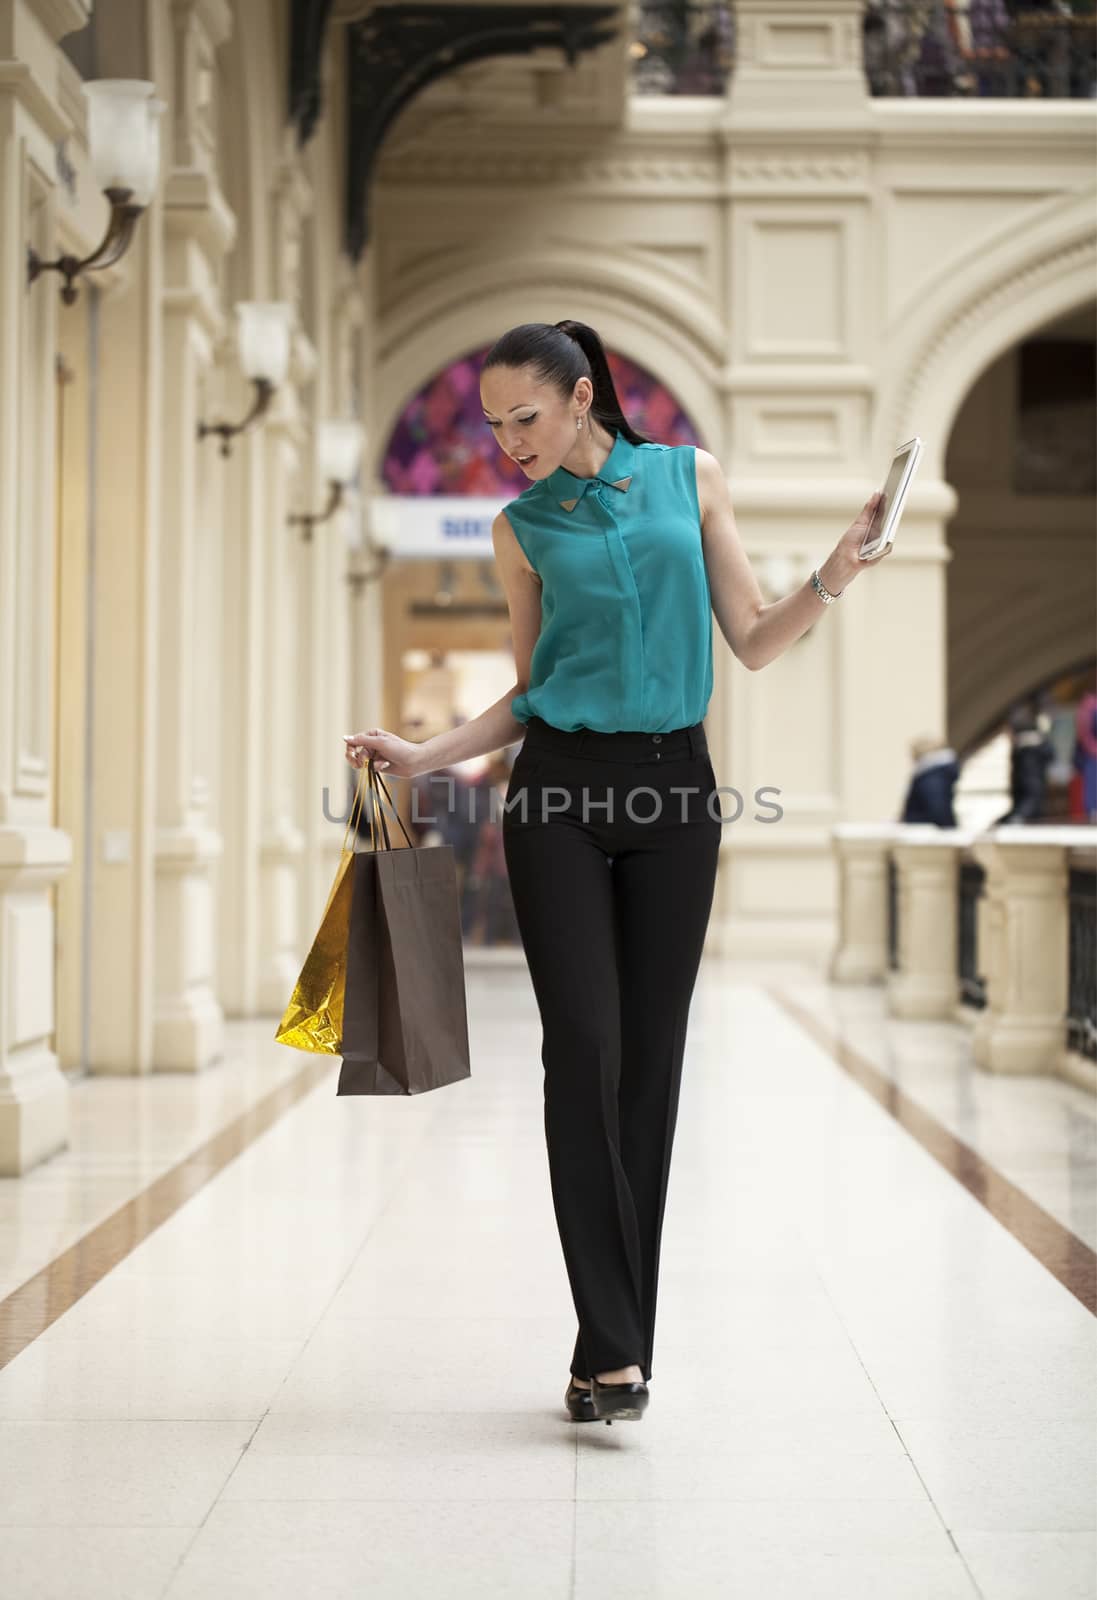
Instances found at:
x=360 y=577
x=124 y=149
x=263 y=336
x=371 y=556
x=338 y=448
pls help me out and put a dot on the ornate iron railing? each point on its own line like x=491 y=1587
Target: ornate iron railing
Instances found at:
x=683 y=47
x=1015 y=49
x=973 y=988
x=1082 y=961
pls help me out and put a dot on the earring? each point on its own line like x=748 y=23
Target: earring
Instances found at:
x=579 y=423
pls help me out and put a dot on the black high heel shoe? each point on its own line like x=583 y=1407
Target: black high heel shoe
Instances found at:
x=579 y=1403
x=619 y=1402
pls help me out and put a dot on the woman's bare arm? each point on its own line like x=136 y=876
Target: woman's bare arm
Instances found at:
x=496 y=726
x=758 y=633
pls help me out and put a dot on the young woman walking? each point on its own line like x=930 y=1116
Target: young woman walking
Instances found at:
x=613 y=560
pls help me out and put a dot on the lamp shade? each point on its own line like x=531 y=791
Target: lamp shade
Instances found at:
x=145 y=186
x=338 y=448
x=264 y=330
x=124 y=134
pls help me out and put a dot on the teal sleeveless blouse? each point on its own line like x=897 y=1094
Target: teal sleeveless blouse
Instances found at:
x=626 y=613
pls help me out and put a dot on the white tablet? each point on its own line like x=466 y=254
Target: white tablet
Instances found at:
x=884 y=524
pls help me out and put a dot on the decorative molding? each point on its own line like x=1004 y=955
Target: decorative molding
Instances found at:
x=578 y=172
x=293 y=203
x=194 y=207
x=784 y=169
x=214 y=17
x=569 y=269
x=201 y=28
x=70 y=96
x=60 y=17
x=980 y=306
x=688 y=261
x=17 y=79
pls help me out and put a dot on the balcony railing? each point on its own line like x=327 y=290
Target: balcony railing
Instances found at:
x=1006 y=49
x=972 y=882
x=683 y=47
x=996 y=927
x=1082 y=987
x=1009 y=49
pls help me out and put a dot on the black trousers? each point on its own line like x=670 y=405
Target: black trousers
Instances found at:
x=612 y=875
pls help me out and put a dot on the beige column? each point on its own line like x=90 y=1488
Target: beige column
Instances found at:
x=34 y=854
x=927 y=861
x=325 y=676
x=279 y=755
x=1023 y=1029
x=823 y=728
x=283 y=752
x=199 y=229
x=861 y=850
x=802 y=54
x=366 y=608
x=242 y=690
x=989 y=924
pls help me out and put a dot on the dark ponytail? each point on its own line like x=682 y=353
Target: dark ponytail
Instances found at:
x=561 y=353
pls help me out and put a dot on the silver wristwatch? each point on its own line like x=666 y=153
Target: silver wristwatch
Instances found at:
x=821 y=589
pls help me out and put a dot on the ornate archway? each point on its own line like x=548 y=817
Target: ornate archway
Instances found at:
x=465 y=302
x=978 y=309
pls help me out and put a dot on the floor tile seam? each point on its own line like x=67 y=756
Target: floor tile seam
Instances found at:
x=215 y=1501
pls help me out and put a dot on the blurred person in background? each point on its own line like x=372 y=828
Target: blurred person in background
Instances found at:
x=1084 y=761
x=1031 y=753
x=932 y=782
x=487 y=909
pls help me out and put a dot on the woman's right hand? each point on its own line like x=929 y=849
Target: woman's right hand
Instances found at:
x=402 y=757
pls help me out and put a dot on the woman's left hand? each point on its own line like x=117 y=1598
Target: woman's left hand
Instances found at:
x=850 y=543
x=844 y=562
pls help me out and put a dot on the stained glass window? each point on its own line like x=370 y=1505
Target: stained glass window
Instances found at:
x=442 y=445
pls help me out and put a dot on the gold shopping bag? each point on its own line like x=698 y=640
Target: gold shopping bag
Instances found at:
x=313 y=1019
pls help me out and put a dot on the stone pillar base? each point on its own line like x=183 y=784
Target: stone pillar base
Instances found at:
x=857 y=964
x=927 y=996
x=772 y=939
x=1016 y=1046
x=189 y=1036
x=34 y=1111
x=281 y=952
x=188 y=1028
x=34 y=1092
x=861 y=852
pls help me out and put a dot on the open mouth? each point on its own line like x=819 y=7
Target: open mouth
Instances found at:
x=525 y=461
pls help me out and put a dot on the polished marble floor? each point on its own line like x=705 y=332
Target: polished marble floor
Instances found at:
x=336 y=1368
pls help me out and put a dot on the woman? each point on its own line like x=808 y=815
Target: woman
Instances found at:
x=613 y=560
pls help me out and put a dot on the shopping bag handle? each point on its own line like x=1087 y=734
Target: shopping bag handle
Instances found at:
x=356 y=808
x=379 y=786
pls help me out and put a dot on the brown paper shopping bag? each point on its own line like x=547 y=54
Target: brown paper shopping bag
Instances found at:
x=405 y=1022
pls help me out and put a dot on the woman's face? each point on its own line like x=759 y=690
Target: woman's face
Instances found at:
x=531 y=419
